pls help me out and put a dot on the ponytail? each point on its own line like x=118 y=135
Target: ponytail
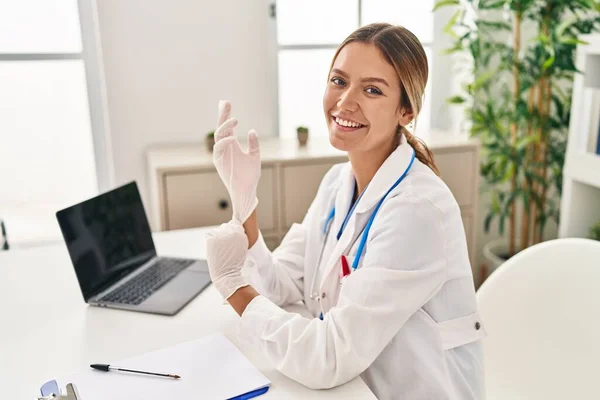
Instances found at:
x=422 y=152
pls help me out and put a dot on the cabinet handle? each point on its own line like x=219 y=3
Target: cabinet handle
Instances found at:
x=223 y=204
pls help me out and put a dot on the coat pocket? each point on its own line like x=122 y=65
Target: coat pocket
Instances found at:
x=460 y=331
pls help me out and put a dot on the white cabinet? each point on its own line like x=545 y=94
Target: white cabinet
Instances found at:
x=187 y=192
x=299 y=185
x=189 y=204
x=458 y=169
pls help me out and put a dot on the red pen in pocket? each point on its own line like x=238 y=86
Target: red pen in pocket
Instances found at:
x=345 y=268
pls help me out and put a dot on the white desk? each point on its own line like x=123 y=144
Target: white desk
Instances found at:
x=46 y=329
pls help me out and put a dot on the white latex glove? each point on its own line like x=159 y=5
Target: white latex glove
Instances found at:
x=239 y=170
x=226 y=249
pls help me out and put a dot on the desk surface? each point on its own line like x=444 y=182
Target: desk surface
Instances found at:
x=47 y=331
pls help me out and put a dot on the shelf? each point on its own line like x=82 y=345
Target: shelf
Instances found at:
x=580 y=202
x=585 y=168
x=592 y=71
x=580 y=208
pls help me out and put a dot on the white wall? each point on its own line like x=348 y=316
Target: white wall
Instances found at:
x=167 y=63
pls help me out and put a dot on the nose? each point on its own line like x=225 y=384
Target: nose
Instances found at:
x=347 y=101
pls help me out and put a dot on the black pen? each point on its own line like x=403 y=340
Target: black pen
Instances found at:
x=107 y=367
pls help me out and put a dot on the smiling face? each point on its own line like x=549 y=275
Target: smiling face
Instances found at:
x=362 y=100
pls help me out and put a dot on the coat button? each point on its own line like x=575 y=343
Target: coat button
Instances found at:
x=324 y=295
x=477 y=325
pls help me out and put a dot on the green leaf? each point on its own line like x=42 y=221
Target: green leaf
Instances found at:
x=573 y=41
x=524 y=141
x=536 y=199
x=495 y=203
x=488 y=222
x=496 y=25
x=456 y=47
x=492 y=5
x=589 y=4
x=510 y=172
x=560 y=30
x=456 y=100
x=445 y=3
x=448 y=27
x=540 y=180
x=558 y=104
x=511 y=199
x=483 y=78
x=548 y=63
x=526 y=200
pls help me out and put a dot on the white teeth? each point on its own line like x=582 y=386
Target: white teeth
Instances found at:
x=347 y=123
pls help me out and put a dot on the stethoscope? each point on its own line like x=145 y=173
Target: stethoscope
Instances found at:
x=315 y=296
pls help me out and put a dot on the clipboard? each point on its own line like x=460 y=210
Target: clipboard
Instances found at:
x=50 y=391
x=206 y=366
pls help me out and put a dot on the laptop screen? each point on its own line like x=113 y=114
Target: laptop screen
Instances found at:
x=107 y=237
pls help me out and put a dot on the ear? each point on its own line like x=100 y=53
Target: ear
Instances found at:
x=405 y=116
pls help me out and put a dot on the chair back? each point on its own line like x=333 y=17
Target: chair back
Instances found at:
x=541 y=311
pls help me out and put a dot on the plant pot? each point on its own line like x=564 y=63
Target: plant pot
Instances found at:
x=495 y=253
x=302 y=138
x=210 y=143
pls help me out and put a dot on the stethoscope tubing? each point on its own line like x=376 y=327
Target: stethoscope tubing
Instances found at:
x=365 y=233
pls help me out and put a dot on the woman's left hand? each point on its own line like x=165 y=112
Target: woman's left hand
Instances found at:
x=226 y=249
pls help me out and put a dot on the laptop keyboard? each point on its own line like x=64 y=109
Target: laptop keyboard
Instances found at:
x=142 y=286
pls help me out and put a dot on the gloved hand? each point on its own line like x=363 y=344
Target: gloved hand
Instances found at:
x=226 y=249
x=239 y=171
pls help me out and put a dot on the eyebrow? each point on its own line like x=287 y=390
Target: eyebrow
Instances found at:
x=368 y=79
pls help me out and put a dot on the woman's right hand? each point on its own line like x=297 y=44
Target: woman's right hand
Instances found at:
x=239 y=170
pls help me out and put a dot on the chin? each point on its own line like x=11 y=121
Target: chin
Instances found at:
x=339 y=142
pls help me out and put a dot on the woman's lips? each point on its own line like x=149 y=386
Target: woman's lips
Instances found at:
x=346 y=128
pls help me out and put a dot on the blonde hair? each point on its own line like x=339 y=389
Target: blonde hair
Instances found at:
x=401 y=48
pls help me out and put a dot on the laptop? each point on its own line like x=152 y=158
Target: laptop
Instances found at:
x=110 y=244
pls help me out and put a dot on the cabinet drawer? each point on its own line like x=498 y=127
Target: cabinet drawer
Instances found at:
x=458 y=171
x=300 y=184
x=200 y=199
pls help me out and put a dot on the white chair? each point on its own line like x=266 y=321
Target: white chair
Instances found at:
x=541 y=311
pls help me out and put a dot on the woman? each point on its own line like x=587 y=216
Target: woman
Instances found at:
x=380 y=260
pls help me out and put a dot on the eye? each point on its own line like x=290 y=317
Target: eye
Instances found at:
x=374 y=90
x=337 y=81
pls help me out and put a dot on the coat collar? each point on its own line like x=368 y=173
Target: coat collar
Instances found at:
x=391 y=169
x=343 y=197
x=389 y=172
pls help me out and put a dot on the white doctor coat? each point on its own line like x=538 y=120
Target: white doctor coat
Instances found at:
x=406 y=320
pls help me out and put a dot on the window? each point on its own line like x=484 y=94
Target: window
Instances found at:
x=309 y=32
x=47 y=156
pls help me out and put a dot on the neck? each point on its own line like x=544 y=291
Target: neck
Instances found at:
x=365 y=164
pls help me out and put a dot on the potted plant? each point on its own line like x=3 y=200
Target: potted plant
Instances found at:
x=302 y=135
x=517 y=101
x=595 y=231
x=210 y=140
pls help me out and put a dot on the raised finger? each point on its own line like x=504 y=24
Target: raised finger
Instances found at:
x=253 y=147
x=224 y=112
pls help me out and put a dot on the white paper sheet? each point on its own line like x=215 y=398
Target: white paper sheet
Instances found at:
x=210 y=368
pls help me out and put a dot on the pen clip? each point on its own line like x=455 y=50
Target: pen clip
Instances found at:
x=50 y=390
